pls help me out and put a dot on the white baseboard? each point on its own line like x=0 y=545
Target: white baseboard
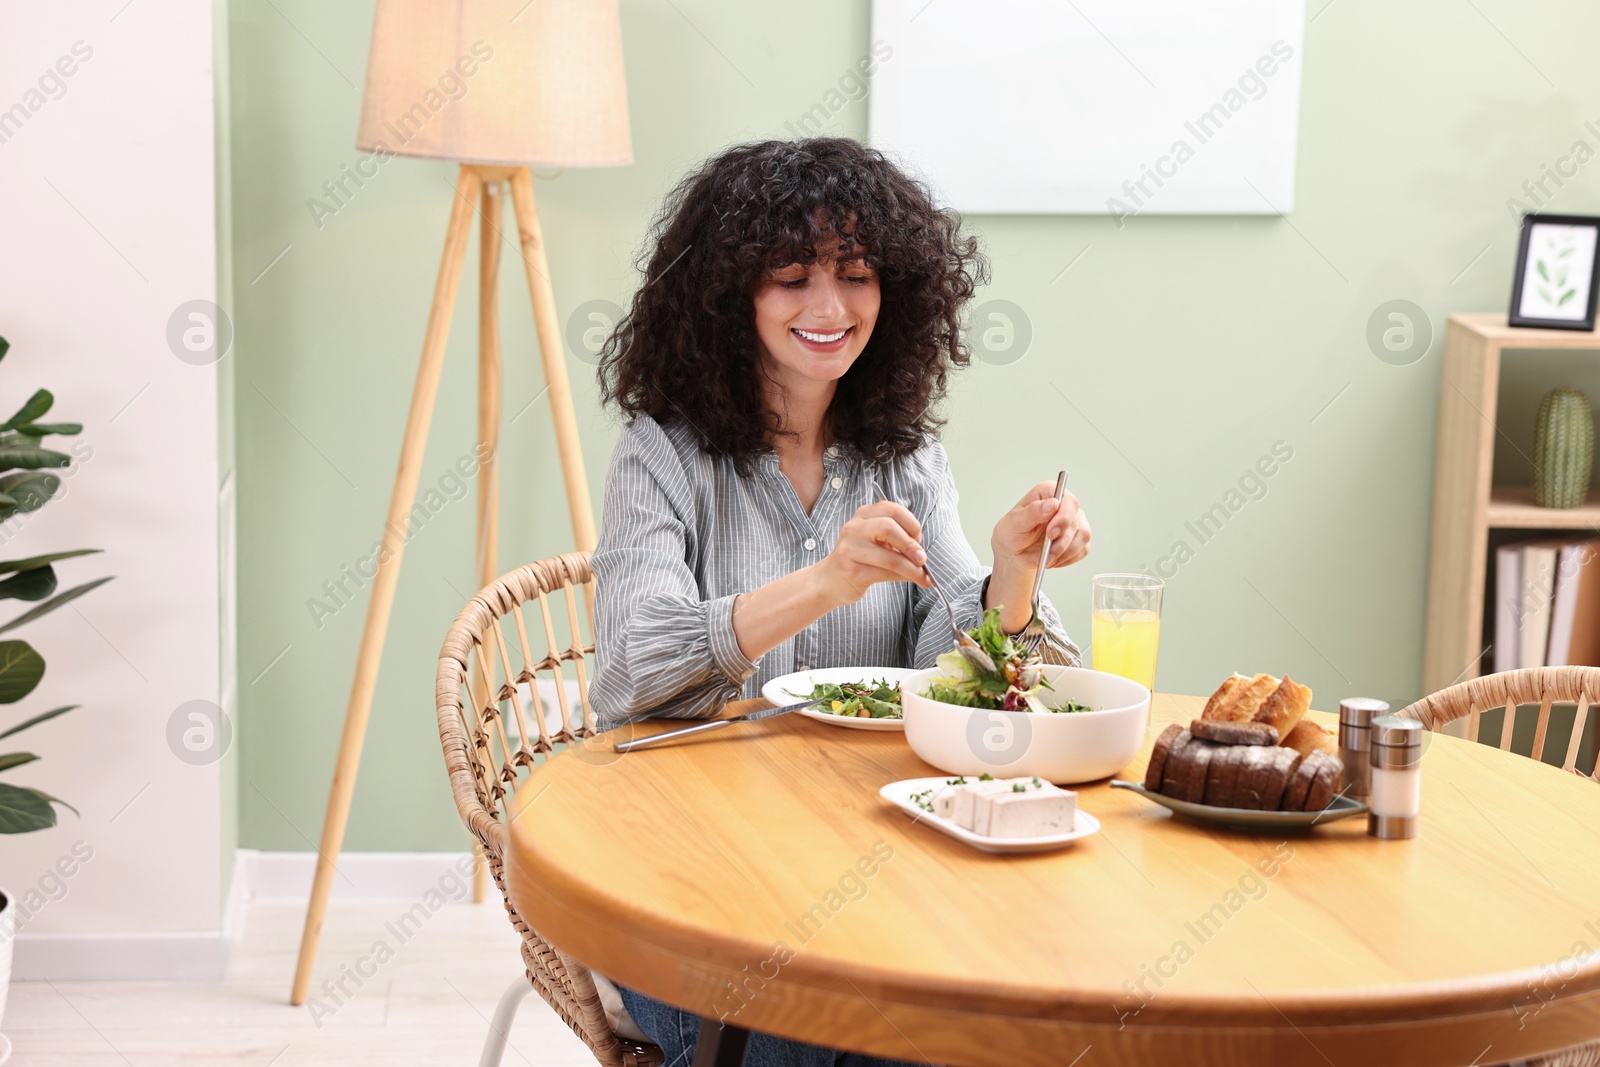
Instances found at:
x=176 y=957
x=202 y=956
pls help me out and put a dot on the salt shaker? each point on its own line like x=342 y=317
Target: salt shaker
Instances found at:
x=1355 y=739
x=1396 y=764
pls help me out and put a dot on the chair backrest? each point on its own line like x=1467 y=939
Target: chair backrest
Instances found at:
x=1544 y=686
x=486 y=662
x=488 y=742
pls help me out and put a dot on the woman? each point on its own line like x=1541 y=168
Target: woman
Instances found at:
x=782 y=361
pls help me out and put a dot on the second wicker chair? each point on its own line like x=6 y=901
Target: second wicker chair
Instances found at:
x=1511 y=690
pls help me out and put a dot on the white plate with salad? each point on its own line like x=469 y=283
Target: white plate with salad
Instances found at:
x=859 y=698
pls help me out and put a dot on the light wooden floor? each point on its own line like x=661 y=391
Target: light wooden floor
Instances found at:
x=429 y=1004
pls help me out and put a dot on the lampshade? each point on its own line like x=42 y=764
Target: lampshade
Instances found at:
x=511 y=82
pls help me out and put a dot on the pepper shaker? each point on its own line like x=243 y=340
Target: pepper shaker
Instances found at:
x=1396 y=761
x=1355 y=739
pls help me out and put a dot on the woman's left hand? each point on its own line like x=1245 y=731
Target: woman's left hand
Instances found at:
x=1017 y=539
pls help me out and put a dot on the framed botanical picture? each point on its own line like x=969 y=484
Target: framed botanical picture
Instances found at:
x=1557 y=277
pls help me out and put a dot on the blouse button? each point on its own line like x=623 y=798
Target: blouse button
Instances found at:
x=837 y=482
x=811 y=543
x=833 y=451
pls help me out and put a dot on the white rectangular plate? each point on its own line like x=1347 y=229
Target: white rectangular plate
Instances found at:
x=899 y=794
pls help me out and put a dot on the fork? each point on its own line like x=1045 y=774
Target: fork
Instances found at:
x=1032 y=636
x=964 y=643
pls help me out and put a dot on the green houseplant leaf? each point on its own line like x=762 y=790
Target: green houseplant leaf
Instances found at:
x=37 y=405
x=37 y=719
x=35 y=584
x=52 y=604
x=40 y=429
x=24 y=810
x=15 y=759
x=28 y=564
x=30 y=489
x=20 y=670
x=29 y=457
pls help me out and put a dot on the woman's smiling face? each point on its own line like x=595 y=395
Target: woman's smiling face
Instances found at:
x=813 y=320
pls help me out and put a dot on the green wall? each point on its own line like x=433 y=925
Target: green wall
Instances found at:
x=1173 y=354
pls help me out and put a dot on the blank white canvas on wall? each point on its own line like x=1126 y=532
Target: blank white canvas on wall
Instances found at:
x=1093 y=106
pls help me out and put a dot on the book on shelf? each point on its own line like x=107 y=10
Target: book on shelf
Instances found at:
x=1575 y=606
x=1547 y=603
x=1507 y=613
x=1538 y=587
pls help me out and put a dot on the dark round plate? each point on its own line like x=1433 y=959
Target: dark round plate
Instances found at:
x=1247 y=818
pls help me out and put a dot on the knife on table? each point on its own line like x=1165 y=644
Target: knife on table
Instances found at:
x=713 y=724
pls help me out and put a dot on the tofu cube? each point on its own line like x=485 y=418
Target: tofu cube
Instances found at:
x=1040 y=810
x=965 y=799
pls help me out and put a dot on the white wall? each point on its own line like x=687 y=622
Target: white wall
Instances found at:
x=107 y=224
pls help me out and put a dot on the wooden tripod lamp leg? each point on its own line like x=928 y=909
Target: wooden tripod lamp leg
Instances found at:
x=555 y=364
x=383 y=583
x=488 y=547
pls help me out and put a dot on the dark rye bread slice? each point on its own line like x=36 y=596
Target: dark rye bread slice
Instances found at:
x=1196 y=760
x=1252 y=789
x=1158 y=757
x=1222 y=780
x=1285 y=761
x=1325 y=785
x=1234 y=733
x=1294 y=798
x=1172 y=784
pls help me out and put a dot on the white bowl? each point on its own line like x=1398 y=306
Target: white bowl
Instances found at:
x=1061 y=747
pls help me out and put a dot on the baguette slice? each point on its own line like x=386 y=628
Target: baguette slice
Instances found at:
x=1239 y=698
x=1226 y=696
x=1308 y=737
x=1284 y=707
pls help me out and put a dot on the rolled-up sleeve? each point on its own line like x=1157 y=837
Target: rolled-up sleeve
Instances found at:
x=928 y=485
x=662 y=648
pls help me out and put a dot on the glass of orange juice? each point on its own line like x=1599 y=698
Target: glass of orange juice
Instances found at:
x=1126 y=627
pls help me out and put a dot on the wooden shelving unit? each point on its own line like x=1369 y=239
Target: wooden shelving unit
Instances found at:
x=1511 y=507
x=1466 y=503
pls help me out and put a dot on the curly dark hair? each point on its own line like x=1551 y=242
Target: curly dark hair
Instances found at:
x=688 y=344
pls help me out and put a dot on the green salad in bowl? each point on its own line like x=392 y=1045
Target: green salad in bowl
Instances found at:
x=1014 y=685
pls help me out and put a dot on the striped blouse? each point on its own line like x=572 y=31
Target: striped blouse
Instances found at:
x=683 y=534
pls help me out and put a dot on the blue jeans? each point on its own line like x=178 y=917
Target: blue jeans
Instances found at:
x=677 y=1031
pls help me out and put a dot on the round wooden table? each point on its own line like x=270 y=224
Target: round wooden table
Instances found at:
x=754 y=875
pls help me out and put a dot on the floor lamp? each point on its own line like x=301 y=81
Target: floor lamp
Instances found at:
x=498 y=86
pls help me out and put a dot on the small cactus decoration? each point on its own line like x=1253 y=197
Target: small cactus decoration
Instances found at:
x=1563 y=448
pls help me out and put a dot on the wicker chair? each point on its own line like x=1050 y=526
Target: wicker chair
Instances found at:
x=485 y=751
x=1511 y=690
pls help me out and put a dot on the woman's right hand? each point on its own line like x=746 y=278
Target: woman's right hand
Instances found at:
x=880 y=543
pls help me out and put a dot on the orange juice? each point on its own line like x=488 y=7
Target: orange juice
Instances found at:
x=1125 y=643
